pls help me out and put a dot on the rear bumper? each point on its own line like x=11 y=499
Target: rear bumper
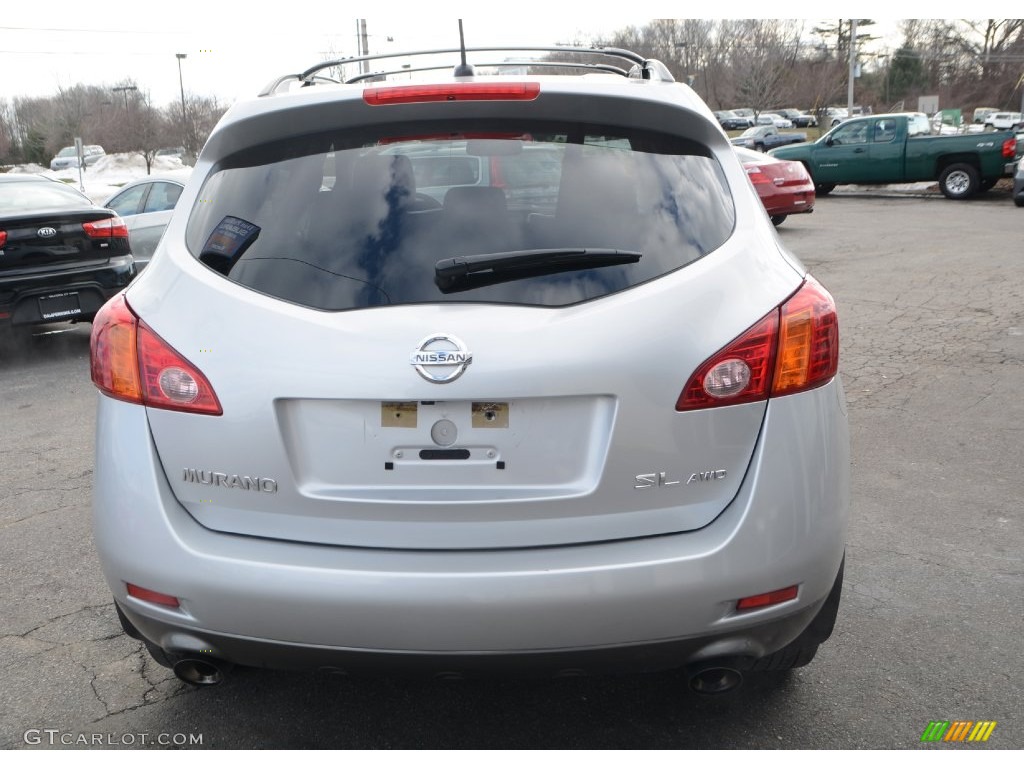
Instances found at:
x=20 y=294
x=656 y=602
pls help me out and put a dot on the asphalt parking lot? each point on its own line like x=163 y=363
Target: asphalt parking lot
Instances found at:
x=931 y=299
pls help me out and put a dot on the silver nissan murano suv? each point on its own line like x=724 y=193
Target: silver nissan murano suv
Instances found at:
x=576 y=412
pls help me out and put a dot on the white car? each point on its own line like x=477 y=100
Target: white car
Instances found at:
x=1002 y=121
x=770 y=118
x=581 y=415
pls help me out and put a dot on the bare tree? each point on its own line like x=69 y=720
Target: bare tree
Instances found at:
x=762 y=54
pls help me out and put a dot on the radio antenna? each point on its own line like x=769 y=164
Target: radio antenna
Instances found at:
x=463 y=69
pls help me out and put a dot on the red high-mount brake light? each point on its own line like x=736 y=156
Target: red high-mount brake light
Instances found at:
x=455 y=136
x=130 y=362
x=415 y=94
x=112 y=227
x=795 y=347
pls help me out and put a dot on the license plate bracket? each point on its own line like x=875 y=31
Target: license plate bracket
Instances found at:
x=58 y=306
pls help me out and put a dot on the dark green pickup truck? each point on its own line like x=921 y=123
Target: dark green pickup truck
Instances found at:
x=892 y=149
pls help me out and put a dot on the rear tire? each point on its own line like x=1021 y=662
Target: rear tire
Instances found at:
x=823 y=190
x=801 y=651
x=776 y=220
x=959 y=181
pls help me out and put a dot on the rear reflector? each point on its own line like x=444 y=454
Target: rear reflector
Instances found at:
x=413 y=94
x=153 y=597
x=112 y=227
x=767 y=598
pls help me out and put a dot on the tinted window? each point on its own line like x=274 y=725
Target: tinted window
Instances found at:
x=340 y=222
x=127 y=203
x=162 y=197
x=852 y=133
x=885 y=130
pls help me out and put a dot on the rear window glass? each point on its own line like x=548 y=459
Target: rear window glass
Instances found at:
x=347 y=221
x=33 y=195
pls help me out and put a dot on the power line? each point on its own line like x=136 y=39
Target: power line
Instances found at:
x=82 y=53
x=78 y=30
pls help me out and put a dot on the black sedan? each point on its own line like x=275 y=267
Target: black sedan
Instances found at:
x=730 y=121
x=61 y=256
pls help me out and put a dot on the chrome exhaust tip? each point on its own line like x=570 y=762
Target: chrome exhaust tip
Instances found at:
x=200 y=672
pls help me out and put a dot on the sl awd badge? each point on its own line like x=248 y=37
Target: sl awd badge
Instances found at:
x=661 y=480
x=441 y=358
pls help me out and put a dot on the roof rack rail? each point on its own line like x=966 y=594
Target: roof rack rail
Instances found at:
x=641 y=67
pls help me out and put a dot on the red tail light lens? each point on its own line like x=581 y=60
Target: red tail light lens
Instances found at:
x=1010 y=148
x=130 y=362
x=792 y=349
x=740 y=373
x=104 y=228
x=3 y=238
x=412 y=94
x=757 y=176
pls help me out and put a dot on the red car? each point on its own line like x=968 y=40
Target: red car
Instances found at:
x=784 y=186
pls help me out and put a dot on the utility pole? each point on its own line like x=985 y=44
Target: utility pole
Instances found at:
x=124 y=89
x=184 y=119
x=853 y=66
x=363 y=45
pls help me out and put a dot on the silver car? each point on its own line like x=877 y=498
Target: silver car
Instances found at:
x=344 y=425
x=146 y=205
x=68 y=157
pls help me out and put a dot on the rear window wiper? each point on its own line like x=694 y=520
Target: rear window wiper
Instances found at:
x=463 y=273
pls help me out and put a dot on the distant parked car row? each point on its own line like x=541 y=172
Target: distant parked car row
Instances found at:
x=740 y=119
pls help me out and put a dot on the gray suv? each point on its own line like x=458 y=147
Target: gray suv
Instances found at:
x=474 y=373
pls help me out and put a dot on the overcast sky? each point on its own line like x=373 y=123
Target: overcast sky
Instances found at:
x=234 y=49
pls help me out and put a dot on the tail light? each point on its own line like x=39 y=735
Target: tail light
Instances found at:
x=3 y=238
x=757 y=175
x=130 y=362
x=793 y=348
x=104 y=228
x=1010 y=148
x=415 y=94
